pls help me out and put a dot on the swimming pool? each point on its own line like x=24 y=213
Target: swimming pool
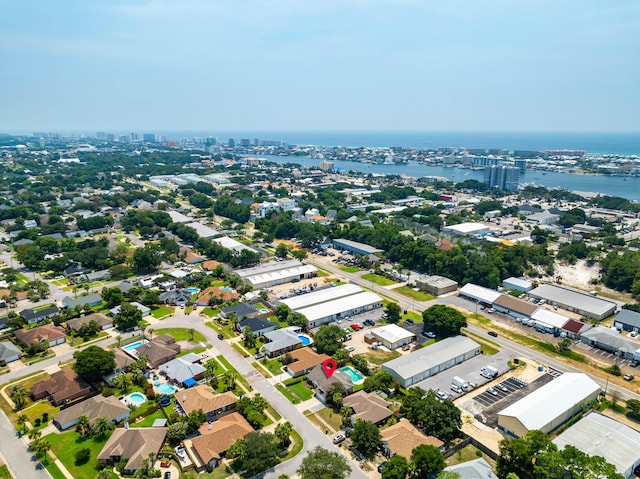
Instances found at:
x=225 y=288
x=305 y=340
x=165 y=388
x=129 y=348
x=135 y=398
x=356 y=376
x=192 y=290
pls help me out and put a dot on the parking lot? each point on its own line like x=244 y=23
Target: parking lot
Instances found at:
x=500 y=391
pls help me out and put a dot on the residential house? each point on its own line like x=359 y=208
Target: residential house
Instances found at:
x=179 y=297
x=258 y=325
x=94 y=407
x=32 y=316
x=210 y=265
x=213 y=292
x=281 y=341
x=143 y=309
x=303 y=360
x=61 y=387
x=321 y=382
x=475 y=469
x=136 y=444
x=185 y=370
x=54 y=335
x=94 y=276
x=74 y=269
x=204 y=397
x=103 y=320
x=93 y=299
x=403 y=437
x=158 y=351
x=216 y=437
x=9 y=352
x=193 y=258
x=368 y=407
x=240 y=311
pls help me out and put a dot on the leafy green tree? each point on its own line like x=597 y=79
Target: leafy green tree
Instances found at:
x=82 y=456
x=634 y=407
x=259 y=453
x=176 y=432
x=437 y=418
x=361 y=364
x=19 y=397
x=322 y=464
x=83 y=426
x=365 y=438
x=146 y=259
x=393 y=313
x=329 y=339
x=101 y=426
x=41 y=447
x=341 y=357
x=426 y=460
x=93 y=363
x=444 y=320
x=397 y=467
x=449 y=475
x=282 y=250
x=283 y=433
x=128 y=317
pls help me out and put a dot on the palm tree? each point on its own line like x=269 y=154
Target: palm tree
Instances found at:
x=282 y=432
x=191 y=333
x=34 y=434
x=101 y=426
x=41 y=447
x=150 y=331
x=22 y=421
x=104 y=474
x=19 y=397
x=118 y=339
x=83 y=427
x=122 y=382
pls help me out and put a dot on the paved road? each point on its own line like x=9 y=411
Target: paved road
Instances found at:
x=310 y=434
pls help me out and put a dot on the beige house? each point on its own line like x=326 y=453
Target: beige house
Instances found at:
x=216 y=437
x=403 y=437
x=368 y=407
x=136 y=444
x=203 y=397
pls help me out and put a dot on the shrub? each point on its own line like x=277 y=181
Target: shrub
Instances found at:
x=36 y=423
x=45 y=417
x=150 y=394
x=82 y=456
x=106 y=392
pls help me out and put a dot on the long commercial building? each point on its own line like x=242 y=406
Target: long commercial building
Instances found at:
x=581 y=303
x=426 y=362
x=276 y=272
x=330 y=304
x=550 y=406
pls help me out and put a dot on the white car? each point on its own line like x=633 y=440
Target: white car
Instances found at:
x=338 y=438
x=441 y=394
x=350 y=348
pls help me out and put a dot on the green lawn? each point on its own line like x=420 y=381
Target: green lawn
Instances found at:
x=4 y=472
x=217 y=473
x=211 y=312
x=34 y=412
x=350 y=269
x=274 y=365
x=181 y=334
x=301 y=390
x=377 y=279
x=148 y=420
x=54 y=470
x=160 y=311
x=65 y=445
x=239 y=378
x=417 y=295
x=417 y=318
x=43 y=307
x=288 y=394
x=81 y=341
x=330 y=417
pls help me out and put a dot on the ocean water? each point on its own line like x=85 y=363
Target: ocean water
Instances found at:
x=613 y=143
x=606 y=185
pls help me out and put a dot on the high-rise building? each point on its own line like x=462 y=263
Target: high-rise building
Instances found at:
x=148 y=137
x=521 y=164
x=232 y=143
x=326 y=166
x=245 y=142
x=257 y=142
x=504 y=177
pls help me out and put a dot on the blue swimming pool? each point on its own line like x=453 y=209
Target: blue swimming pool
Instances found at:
x=304 y=339
x=225 y=288
x=192 y=290
x=130 y=347
x=165 y=388
x=136 y=399
x=355 y=375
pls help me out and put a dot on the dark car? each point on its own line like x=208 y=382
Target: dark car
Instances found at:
x=382 y=464
x=167 y=475
x=409 y=320
x=493 y=333
x=220 y=336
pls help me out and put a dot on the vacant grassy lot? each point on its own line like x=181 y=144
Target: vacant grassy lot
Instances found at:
x=417 y=295
x=160 y=311
x=379 y=357
x=350 y=269
x=377 y=279
x=181 y=334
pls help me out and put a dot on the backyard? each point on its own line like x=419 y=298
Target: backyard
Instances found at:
x=66 y=444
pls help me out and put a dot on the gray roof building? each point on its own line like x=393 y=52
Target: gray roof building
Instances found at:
x=426 y=362
x=9 y=352
x=355 y=247
x=94 y=407
x=476 y=469
x=581 y=303
x=627 y=320
x=92 y=299
x=281 y=341
x=609 y=340
x=183 y=368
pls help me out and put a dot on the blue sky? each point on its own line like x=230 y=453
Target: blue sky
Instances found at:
x=419 y=65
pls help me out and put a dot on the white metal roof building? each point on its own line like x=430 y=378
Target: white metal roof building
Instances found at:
x=203 y=231
x=436 y=285
x=550 y=406
x=321 y=296
x=466 y=229
x=426 y=362
x=178 y=217
x=355 y=247
x=393 y=336
x=581 y=303
x=518 y=284
x=267 y=268
x=479 y=293
x=232 y=244
x=598 y=435
x=322 y=313
x=549 y=320
x=272 y=278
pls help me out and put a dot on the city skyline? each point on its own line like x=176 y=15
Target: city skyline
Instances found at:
x=360 y=66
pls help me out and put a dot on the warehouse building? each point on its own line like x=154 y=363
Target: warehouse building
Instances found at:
x=436 y=285
x=548 y=321
x=627 y=320
x=581 y=303
x=276 y=272
x=466 y=229
x=550 y=406
x=479 y=294
x=517 y=284
x=609 y=339
x=598 y=435
x=330 y=304
x=354 y=247
x=426 y=362
x=514 y=307
x=393 y=336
